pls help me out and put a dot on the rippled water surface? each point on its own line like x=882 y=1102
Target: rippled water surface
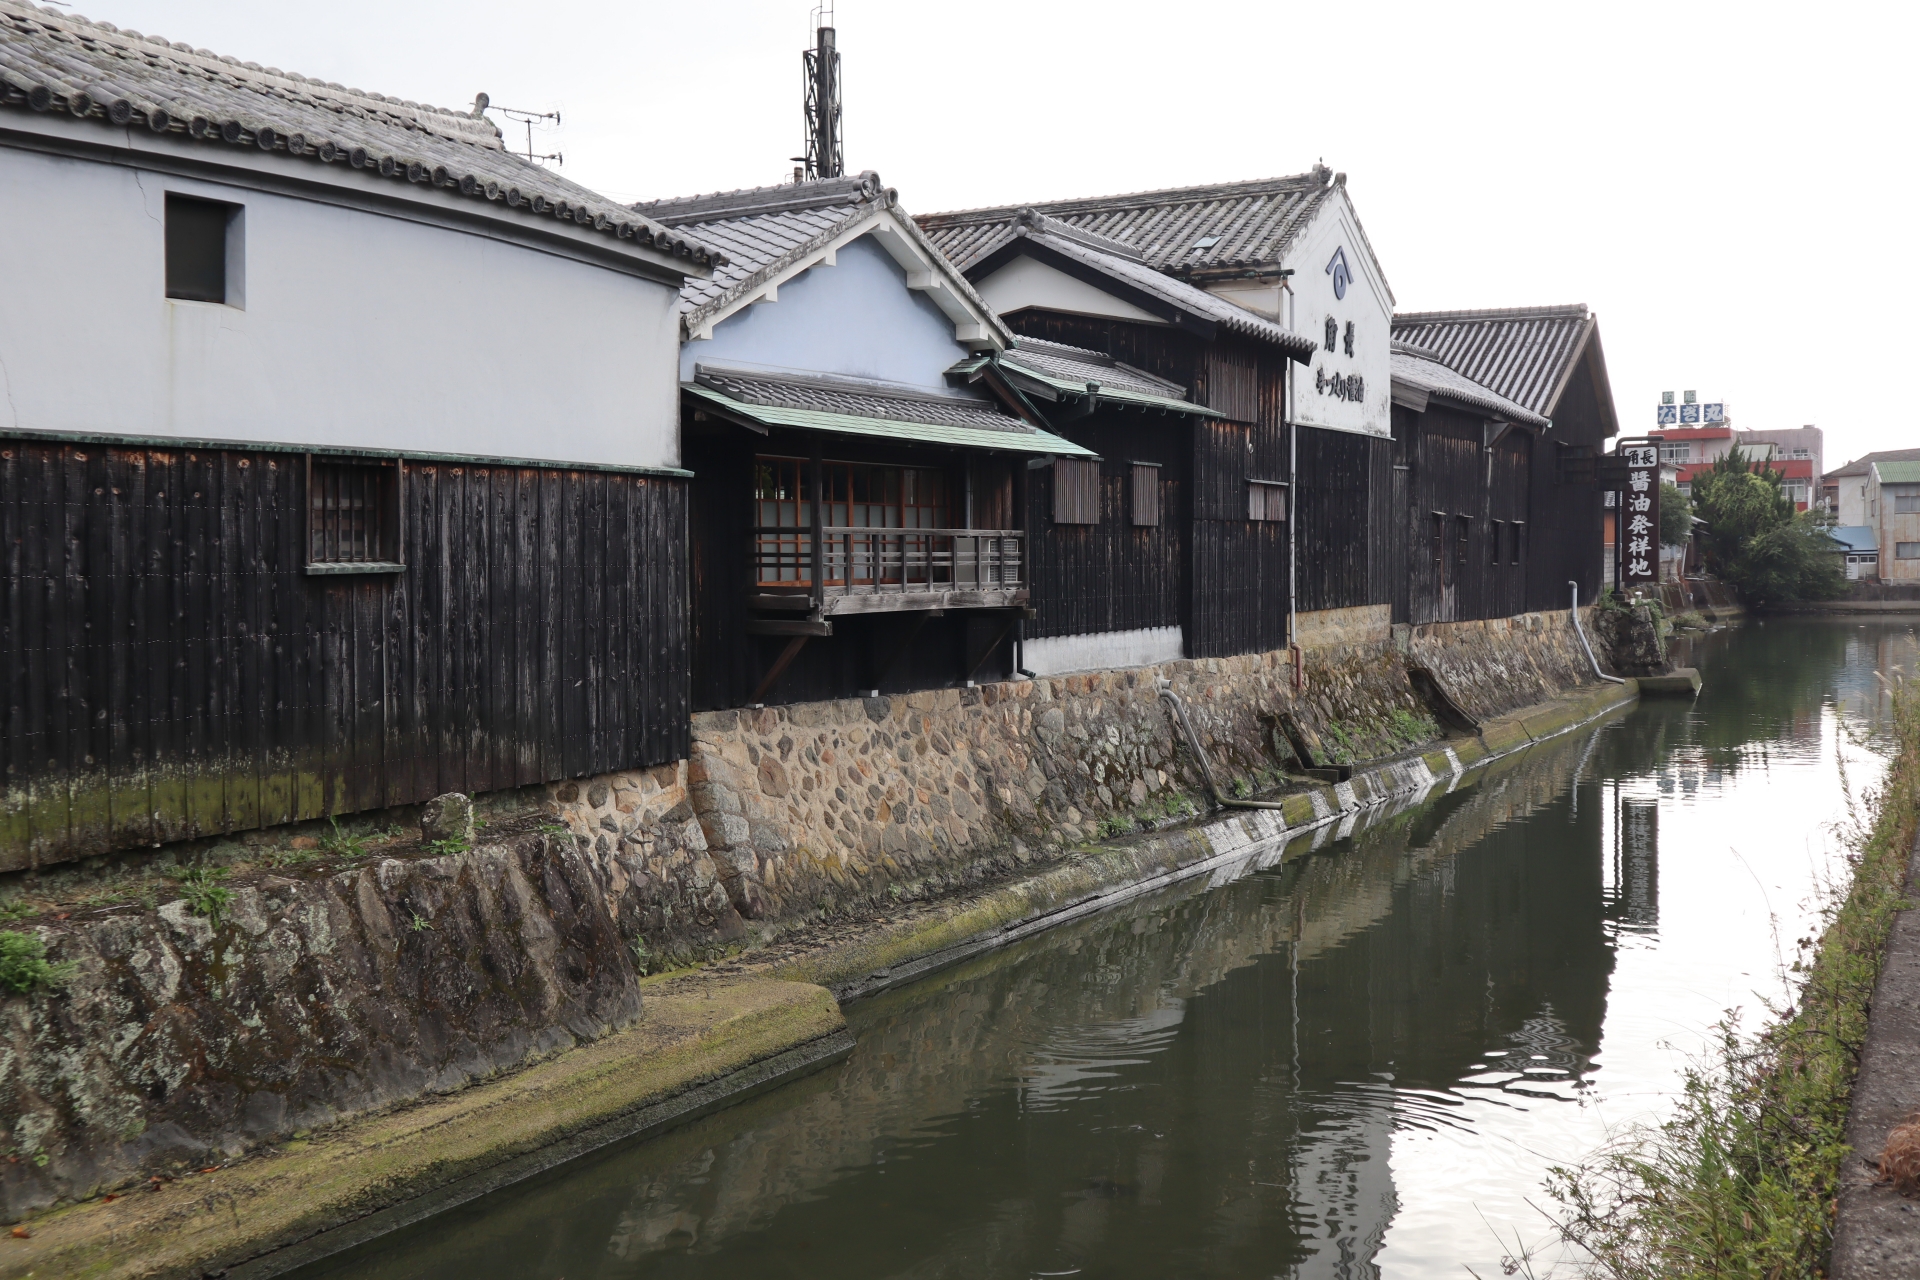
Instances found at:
x=1354 y=1059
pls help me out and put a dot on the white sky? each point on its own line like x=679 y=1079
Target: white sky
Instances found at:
x=1723 y=183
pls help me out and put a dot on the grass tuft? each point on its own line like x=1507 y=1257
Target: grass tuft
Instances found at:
x=24 y=968
x=1742 y=1180
x=204 y=893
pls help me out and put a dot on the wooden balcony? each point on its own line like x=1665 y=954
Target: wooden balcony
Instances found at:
x=865 y=570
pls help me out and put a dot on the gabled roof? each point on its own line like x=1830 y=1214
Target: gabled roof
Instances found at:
x=860 y=407
x=1890 y=472
x=1425 y=373
x=122 y=80
x=1527 y=354
x=772 y=234
x=1122 y=271
x=1858 y=467
x=1231 y=228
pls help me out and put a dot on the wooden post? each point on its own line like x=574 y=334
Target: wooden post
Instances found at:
x=816 y=508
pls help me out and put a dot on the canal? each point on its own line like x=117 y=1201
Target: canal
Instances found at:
x=1356 y=1056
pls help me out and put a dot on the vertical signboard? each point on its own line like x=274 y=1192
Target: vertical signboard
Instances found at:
x=1640 y=514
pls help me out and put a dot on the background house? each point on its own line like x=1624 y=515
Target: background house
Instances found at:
x=1795 y=454
x=1849 y=490
x=314 y=505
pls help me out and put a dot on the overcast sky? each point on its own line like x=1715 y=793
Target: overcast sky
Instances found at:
x=1730 y=186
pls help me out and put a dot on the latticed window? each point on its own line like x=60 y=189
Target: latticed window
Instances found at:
x=1076 y=491
x=353 y=514
x=859 y=496
x=1146 y=494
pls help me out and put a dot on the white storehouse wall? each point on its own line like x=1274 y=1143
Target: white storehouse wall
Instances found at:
x=358 y=330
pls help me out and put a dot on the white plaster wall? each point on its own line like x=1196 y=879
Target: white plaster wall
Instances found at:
x=856 y=318
x=1368 y=304
x=358 y=330
x=1103 y=651
x=1023 y=282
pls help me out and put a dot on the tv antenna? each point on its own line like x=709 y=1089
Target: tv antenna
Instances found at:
x=820 y=67
x=528 y=119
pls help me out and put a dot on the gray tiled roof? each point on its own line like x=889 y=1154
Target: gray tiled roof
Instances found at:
x=52 y=61
x=1129 y=269
x=764 y=231
x=858 y=399
x=1077 y=364
x=1424 y=370
x=1526 y=354
x=1251 y=223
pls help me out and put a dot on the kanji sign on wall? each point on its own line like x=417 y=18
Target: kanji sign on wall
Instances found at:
x=1640 y=513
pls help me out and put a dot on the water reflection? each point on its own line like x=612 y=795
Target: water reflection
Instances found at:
x=1334 y=1064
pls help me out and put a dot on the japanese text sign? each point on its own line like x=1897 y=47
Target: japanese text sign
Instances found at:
x=1639 y=511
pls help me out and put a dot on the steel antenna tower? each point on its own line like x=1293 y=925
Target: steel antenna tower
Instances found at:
x=821 y=64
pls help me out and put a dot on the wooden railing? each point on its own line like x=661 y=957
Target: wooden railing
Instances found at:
x=861 y=569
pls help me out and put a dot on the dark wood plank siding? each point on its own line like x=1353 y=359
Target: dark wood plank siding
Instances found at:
x=1113 y=575
x=174 y=671
x=1568 y=533
x=1452 y=478
x=1346 y=523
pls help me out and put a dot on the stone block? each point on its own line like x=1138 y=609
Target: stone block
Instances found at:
x=447 y=817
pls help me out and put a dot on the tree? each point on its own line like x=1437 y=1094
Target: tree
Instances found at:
x=1676 y=516
x=1757 y=541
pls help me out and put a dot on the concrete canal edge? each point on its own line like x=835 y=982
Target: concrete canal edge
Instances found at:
x=1876 y=1234
x=704 y=1041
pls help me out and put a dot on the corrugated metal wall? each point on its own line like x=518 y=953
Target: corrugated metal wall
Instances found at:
x=172 y=671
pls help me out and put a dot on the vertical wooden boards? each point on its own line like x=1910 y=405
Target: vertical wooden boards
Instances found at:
x=173 y=671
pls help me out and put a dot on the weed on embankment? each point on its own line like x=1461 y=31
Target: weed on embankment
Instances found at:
x=1742 y=1180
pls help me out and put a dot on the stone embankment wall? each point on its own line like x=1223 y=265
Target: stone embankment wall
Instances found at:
x=807 y=809
x=181 y=1040
x=319 y=993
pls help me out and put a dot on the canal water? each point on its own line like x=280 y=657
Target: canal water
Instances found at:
x=1354 y=1057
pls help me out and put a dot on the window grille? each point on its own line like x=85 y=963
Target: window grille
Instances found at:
x=1266 y=500
x=353 y=515
x=1076 y=491
x=860 y=496
x=1146 y=494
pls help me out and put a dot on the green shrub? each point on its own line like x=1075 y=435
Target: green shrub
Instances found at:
x=23 y=964
x=1411 y=728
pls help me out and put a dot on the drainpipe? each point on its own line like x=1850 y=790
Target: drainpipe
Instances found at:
x=1165 y=687
x=1583 y=637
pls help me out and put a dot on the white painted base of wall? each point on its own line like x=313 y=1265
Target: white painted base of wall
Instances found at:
x=1104 y=650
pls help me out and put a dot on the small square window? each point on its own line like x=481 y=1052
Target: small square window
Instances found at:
x=200 y=240
x=1076 y=491
x=1146 y=495
x=353 y=515
x=1266 y=500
